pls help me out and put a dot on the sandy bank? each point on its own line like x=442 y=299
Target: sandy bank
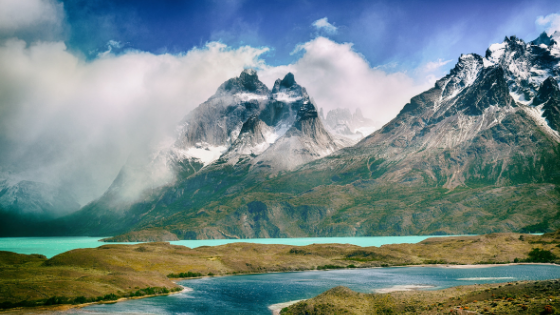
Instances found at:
x=276 y=308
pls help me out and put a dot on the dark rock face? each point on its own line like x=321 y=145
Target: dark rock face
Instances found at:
x=306 y=140
x=218 y=120
x=489 y=89
x=549 y=97
x=548 y=91
x=286 y=99
x=248 y=81
x=288 y=81
x=543 y=39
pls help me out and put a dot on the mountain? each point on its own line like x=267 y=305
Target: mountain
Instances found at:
x=240 y=136
x=477 y=153
x=26 y=205
x=306 y=139
x=342 y=122
x=34 y=198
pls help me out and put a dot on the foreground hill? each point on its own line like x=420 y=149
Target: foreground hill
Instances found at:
x=519 y=297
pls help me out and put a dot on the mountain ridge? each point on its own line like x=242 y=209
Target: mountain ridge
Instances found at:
x=473 y=154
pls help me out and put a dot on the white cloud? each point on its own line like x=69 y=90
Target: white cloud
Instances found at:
x=76 y=122
x=435 y=65
x=551 y=23
x=338 y=77
x=31 y=19
x=323 y=24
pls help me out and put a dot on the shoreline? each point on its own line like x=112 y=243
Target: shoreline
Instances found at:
x=65 y=307
x=277 y=308
x=471 y=266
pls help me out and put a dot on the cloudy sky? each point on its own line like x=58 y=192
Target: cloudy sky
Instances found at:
x=85 y=84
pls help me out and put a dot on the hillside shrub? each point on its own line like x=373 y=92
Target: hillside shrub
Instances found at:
x=329 y=267
x=538 y=255
x=187 y=274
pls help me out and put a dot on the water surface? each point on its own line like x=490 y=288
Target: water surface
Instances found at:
x=253 y=294
x=51 y=246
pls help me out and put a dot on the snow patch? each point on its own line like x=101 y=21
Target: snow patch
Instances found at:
x=487 y=63
x=519 y=98
x=286 y=98
x=497 y=51
x=246 y=97
x=234 y=134
x=555 y=51
x=279 y=131
x=204 y=152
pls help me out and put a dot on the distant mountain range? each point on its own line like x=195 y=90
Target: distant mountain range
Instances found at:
x=477 y=153
x=26 y=205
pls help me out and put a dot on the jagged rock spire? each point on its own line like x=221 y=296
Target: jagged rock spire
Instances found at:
x=549 y=95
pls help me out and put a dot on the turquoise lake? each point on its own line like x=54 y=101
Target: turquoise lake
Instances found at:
x=51 y=246
x=256 y=294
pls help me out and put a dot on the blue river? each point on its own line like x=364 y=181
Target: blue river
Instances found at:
x=257 y=294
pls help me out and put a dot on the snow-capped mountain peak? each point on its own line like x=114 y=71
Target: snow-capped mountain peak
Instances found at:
x=525 y=65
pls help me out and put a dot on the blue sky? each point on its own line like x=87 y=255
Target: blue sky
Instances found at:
x=400 y=34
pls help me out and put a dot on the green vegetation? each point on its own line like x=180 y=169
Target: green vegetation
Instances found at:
x=327 y=267
x=61 y=300
x=536 y=228
x=435 y=262
x=538 y=255
x=187 y=274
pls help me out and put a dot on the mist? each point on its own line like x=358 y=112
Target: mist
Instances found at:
x=73 y=123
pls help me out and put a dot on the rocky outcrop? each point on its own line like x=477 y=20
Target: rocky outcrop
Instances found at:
x=548 y=99
x=306 y=140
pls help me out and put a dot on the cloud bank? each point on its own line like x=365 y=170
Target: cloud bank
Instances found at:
x=336 y=76
x=551 y=23
x=31 y=19
x=73 y=123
